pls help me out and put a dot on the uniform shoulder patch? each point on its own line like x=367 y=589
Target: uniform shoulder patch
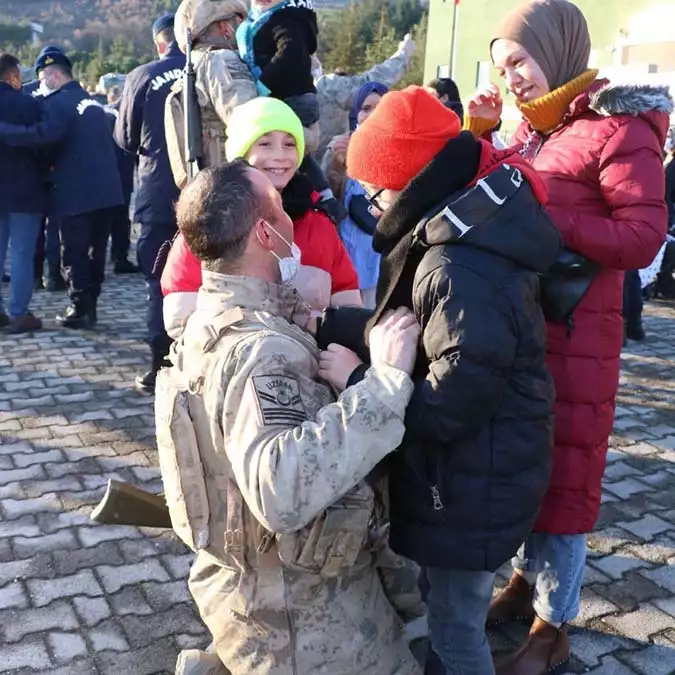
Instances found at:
x=279 y=400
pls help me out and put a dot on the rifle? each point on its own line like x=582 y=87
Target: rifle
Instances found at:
x=194 y=151
x=124 y=504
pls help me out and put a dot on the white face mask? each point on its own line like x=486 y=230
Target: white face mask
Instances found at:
x=288 y=267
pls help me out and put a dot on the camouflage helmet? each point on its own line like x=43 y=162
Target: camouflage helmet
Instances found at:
x=198 y=15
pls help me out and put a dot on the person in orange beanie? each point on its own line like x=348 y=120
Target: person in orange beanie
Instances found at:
x=463 y=237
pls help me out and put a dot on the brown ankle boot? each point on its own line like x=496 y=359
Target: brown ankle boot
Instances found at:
x=514 y=603
x=545 y=652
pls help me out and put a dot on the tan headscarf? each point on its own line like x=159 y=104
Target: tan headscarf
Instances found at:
x=555 y=33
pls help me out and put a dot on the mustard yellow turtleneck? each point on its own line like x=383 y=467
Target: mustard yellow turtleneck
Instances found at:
x=545 y=113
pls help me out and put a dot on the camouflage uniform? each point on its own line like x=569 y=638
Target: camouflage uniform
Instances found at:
x=222 y=80
x=336 y=95
x=266 y=482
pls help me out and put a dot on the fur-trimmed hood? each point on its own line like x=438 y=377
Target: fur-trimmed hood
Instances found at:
x=653 y=104
x=628 y=99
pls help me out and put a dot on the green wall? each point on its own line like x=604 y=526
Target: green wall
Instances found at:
x=478 y=18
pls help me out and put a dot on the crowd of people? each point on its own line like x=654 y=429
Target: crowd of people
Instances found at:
x=385 y=348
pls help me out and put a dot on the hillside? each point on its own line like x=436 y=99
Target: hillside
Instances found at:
x=65 y=19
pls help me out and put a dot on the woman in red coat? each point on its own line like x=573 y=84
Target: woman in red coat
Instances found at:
x=598 y=148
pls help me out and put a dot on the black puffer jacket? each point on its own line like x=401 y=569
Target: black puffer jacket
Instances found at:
x=467 y=482
x=283 y=48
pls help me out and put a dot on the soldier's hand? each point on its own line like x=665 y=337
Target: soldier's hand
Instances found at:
x=336 y=364
x=394 y=340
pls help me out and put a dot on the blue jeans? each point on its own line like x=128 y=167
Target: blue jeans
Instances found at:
x=559 y=561
x=458 y=604
x=22 y=230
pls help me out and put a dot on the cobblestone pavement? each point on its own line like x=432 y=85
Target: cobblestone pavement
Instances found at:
x=76 y=597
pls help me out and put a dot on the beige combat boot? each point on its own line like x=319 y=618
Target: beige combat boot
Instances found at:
x=197 y=662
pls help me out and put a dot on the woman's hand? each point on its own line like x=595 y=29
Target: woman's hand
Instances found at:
x=340 y=145
x=487 y=104
x=336 y=364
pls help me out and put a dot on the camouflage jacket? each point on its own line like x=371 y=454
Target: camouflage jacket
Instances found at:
x=223 y=81
x=287 y=583
x=336 y=96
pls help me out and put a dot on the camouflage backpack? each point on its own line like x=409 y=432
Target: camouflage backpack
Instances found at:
x=174 y=126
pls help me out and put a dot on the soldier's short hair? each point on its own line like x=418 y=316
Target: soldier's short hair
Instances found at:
x=9 y=64
x=217 y=211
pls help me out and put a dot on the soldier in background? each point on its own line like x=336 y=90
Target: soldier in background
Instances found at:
x=336 y=91
x=140 y=131
x=277 y=508
x=223 y=80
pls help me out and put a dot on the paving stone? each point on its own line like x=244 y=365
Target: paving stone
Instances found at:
x=40 y=565
x=191 y=641
x=610 y=666
x=647 y=527
x=115 y=578
x=79 y=666
x=593 y=606
x=67 y=646
x=163 y=596
x=26 y=527
x=91 y=610
x=618 y=470
x=663 y=576
x=45 y=591
x=129 y=600
x=57 y=616
x=108 y=637
x=179 y=565
x=652 y=660
x=13 y=508
x=144 y=630
x=616 y=566
x=68 y=562
x=630 y=592
x=590 y=646
x=657 y=551
x=30 y=653
x=30 y=473
x=626 y=488
x=24 y=547
x=641 y=624
x=101 y=533
x=13 y=596
x=159 y=657
x=609 y=539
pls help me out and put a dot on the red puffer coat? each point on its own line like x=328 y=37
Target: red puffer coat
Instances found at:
x=604 y=173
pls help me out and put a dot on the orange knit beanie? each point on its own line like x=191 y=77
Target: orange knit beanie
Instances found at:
x=405 y=132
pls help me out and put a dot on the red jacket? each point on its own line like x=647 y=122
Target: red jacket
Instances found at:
x=603 y=170
x=326 y=269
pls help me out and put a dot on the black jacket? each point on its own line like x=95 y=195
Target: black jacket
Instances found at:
x=140 y=131
x=467 y=482
x=22 y=180
x=75 y=134
x=283 y=48
x=670 y=192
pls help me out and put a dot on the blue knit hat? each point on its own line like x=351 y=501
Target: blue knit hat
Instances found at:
x=162 y=22
x=361 y=95
x=51 y=55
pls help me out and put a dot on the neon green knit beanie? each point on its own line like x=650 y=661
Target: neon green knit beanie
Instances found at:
x=256 y=118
